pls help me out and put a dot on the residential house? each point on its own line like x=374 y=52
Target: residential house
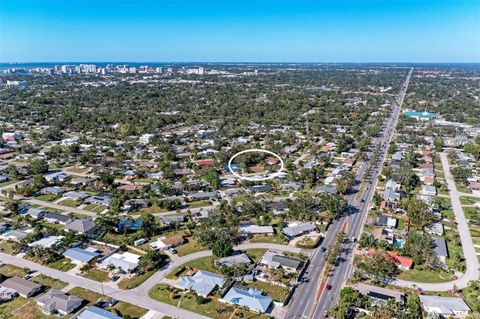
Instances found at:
x=252 y=299
x=429 y=190
x=79 y=255
x=256 y=230
x=33 y=212
x=404 y=263
x=264 y=188
x=167 y=243
x=52 y=190
x=235 y=260
x=445 y=306
x=79 y=196
x=97 y=313
x=386 y=221
x=380 y=295
x=56 y=218
x=274 y=259
x=56 y=177
x=7 y=294
x=25 y=288
x=57 y=302
x=84 y=226
x=202 y=282
x=125 y=262
x=46 y=242
x=99 y=200
x=435 y=228
x=167 y=220
x=201 y=195
x=297 y=229
x=440 y=248
x=14 y=235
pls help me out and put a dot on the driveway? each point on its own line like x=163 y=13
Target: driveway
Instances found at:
x=471 y=258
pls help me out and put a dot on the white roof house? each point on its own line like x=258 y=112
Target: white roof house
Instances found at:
x=255 y=229
x=125 y=262
x=203 y=282
x=445 y=306
x=46 y=242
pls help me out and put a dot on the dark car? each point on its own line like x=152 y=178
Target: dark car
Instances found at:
x=323 y=249
x=328 y=287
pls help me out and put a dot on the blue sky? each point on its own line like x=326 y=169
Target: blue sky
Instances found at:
x=221 y=31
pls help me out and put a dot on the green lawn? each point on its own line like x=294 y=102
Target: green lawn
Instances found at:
x=88 y=295
x=49 y=282
x=135 y=281
x=69 y=203
x=95 y=208
x=7 y=308
x=47 y=198
x=8 y=183
x=277 y=293
x=62 y=264
x=131 y=310
x=191 y=246
x=10 y=247
x=469 y=200
x=97 y=275
x=200 y=203
x=255 y=254
x=11 y=270
x=425 y=276
x=205 y=263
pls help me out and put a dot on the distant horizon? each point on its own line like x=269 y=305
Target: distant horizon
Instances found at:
x=238 y=62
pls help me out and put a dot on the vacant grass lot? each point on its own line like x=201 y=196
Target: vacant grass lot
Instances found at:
x=11 y=270
x=69 y=203
x=190 y=246
x=273 y=239
x=47 y=198
x=90 y=296
x=277 y=293
x=97 y=275
x=131 y=310
x=426 y=276
x=135 y=281
x=49 y=282
x=10 y=247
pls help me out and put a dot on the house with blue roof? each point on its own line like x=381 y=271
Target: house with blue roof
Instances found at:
x=252 y=299
x=202 y=283
x=97 y=313
x=80 y=255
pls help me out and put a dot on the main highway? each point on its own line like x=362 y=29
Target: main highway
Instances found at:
x=312 y=299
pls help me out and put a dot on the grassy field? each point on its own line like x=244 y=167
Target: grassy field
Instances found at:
x=47 y=198
x=277 y=293
x=200 y=203
x=469 y=200
x=255 y=254
x=212 y=308
x=131 y=310
x=11 y=270
x=8 y=183
x=95 y=208
x=49 y=282
x=135 y=281
x=10 y=247
x=191 y=246
x=7 y=308
x=88 y=295
x=62 y=264
x=426 y=276
x=97 y=275
x=68 y=202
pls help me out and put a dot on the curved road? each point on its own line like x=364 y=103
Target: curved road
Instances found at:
x=138 y=296
x=471 y=258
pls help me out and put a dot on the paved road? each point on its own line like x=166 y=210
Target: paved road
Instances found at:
x=139 y=296
x=145 y=287
x=307 y=302
x=471 y=258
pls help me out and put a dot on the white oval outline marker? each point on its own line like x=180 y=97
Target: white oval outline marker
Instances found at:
x=251 y=179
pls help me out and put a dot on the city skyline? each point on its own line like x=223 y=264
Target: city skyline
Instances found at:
x=216 y=31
